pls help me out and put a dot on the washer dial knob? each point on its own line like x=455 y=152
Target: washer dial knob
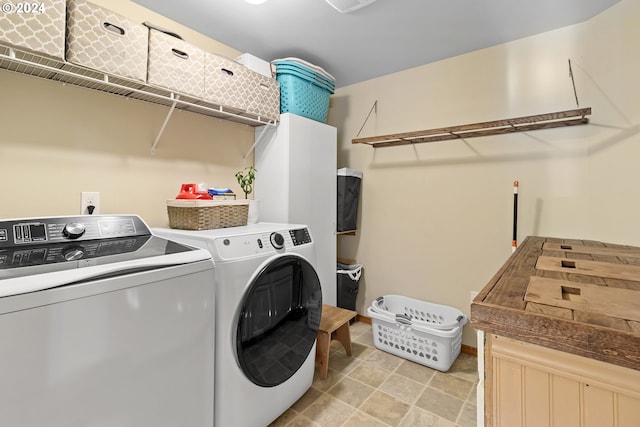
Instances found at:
x=73 y=230
x=277 y=241
x=73 y=253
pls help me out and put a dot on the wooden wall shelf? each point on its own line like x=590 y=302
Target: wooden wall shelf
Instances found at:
x=497 y=127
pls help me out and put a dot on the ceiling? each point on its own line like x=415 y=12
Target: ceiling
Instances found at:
x=382 y=38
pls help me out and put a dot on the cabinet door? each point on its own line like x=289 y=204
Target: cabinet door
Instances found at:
x=296 y=182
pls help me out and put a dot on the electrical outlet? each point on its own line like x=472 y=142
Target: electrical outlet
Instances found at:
x=88 y=199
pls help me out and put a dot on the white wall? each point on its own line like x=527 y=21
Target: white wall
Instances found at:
x=436 y=219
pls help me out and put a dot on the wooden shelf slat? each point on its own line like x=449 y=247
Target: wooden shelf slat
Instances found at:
x=496 y=127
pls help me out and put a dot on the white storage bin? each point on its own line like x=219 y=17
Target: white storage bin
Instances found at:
x=263 y=95
x=102 y=40
x=175 y=65
x=255 y=64
x=223 y=82
x=37 y=27
x=425 y=333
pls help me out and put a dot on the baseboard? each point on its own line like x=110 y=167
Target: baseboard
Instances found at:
x=467 y=349
x=363 y=319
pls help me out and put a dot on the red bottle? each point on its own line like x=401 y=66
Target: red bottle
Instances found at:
x=190 y=191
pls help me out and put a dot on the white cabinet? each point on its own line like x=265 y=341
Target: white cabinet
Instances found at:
x=296 y=183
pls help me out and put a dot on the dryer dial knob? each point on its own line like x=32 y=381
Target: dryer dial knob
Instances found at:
x=277 y=241
x=73 y=230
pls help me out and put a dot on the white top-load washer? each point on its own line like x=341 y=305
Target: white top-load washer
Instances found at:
x=103 y=324
x=268 y=309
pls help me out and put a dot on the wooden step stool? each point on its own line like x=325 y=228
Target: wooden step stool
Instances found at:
x=334 y=325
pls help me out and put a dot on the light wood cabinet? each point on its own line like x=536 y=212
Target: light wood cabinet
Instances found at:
x=562 y=336
x=532 y=386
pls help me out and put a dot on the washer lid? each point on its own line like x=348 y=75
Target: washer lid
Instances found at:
x=107 y=246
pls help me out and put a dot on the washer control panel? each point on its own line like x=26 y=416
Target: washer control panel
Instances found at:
x=47 y=243
x=39 y=231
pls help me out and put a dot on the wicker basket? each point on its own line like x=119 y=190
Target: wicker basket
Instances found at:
x=207 y=214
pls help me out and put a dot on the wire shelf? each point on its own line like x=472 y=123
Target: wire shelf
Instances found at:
x=34 y=65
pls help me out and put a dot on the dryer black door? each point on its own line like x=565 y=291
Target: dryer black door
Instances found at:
x=279 y=320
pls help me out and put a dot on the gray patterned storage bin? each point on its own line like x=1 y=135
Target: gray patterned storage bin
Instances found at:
x=175 y=64
x=223 y=82
x=40 y=31
x=263 y=95
x=100 y=39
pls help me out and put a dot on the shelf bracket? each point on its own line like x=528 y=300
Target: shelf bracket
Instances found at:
x=166 y=120
x=573 y=82
x=256 y=141
x=374 y=107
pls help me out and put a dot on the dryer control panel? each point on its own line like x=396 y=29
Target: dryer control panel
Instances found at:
x=239 y=246
x=300 y=236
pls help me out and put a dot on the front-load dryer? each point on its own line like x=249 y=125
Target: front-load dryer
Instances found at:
x=268 y=309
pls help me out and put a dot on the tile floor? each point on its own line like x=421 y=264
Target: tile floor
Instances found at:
x=374 y=389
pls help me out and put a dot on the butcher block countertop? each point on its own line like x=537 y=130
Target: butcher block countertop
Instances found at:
x=576 y=296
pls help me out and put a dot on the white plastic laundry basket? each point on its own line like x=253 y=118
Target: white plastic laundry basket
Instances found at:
x=423 y=332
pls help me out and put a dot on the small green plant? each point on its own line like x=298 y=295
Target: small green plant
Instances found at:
x=245 y=178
